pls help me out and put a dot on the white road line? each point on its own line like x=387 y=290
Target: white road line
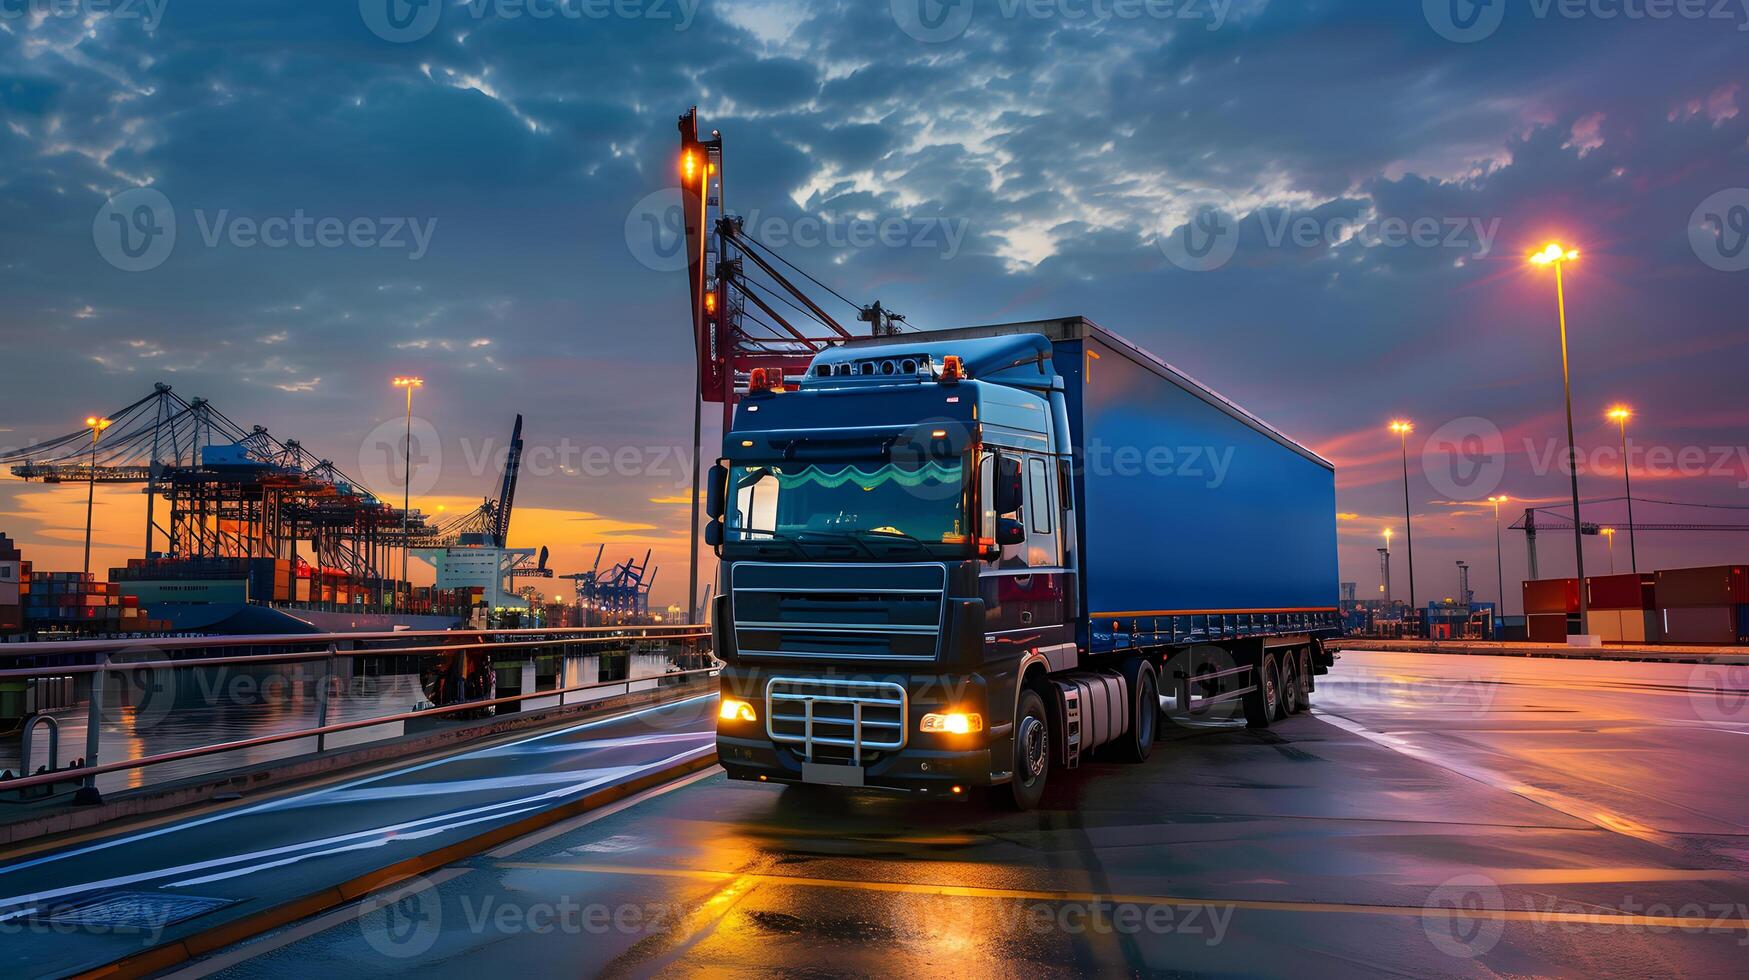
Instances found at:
x=290 y=800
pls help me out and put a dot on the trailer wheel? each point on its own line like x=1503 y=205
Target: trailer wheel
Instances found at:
x=1032 y=752
x=1262 y=703
x=1138 y=742
x=1306 y=679
x=1290 y=688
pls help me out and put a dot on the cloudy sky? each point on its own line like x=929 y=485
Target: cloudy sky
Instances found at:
x=472 y=182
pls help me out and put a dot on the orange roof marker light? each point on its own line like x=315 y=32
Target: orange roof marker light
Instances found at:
x=766 y=379
x=953 y=369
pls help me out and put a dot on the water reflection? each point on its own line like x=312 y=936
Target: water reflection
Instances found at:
x=158 y=711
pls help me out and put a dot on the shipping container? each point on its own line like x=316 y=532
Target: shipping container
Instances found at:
x=1551 y=595
x=1546 y=627
x=1717 y=585
x=1710 y=625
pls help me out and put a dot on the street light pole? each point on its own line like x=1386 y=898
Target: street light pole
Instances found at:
x=1402 y=428
x=1609 y=535
x=1620 y=414
x=1558 y=257
x=1499 y=562
x=96 y=425
x=407 y=487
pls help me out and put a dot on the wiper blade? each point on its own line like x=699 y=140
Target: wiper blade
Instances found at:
x=843 y=536
x=894 y=534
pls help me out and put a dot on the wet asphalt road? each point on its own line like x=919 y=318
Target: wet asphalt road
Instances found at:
x=1435 y=816
x=225 y=862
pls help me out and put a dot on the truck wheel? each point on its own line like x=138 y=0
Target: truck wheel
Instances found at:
x=1261 y=704
x=1290 y=688
x=1306 y=680
x=1032 y=752
x=1138 y=742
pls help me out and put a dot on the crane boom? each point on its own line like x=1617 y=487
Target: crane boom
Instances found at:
x=507 y=494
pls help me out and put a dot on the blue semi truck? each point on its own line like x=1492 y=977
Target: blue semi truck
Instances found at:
x=964 y=558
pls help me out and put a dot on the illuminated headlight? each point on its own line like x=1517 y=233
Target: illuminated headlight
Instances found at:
x=734 y=709
x=953 y=723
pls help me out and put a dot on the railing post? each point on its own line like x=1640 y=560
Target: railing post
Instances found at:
x=88 y=794
x=323 y=693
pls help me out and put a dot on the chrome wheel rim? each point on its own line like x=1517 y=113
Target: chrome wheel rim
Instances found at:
x=1034 y=743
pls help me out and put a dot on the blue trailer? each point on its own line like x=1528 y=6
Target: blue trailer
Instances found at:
x=960 y=558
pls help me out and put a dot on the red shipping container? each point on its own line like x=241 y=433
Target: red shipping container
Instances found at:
x=1717 y=585
x=1551 y=595
x=1546 y=627
x=1709 y=625
x=1619 y=591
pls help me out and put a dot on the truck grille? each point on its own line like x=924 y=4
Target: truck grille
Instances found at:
x=839 y=612
x=836 y=719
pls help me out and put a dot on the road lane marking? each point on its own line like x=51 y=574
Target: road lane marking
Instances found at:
x=322 y=923
x=583 y=820
x=1696 y=923
x=1559 y=802
x=173 y=825
x=374 y=836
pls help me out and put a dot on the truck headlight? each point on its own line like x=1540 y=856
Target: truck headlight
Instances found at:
x=953 y=722
x=735 y=709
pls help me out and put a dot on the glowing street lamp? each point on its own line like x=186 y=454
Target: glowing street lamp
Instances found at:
x=407 y=480
x=1609 y=535
x=1619 y=414
x=1557 y=256
x=1499 y=563
x=1402 y=427
x=96 y=424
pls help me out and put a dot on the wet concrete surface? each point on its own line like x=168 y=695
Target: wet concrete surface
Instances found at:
x=1434 y=816
x=73 y=905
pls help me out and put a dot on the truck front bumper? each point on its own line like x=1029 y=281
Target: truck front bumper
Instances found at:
x=913 y=769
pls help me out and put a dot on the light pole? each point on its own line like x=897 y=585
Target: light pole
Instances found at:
x=1553 y=254
x=1499 y=562
x=1402 y=427
x=1619 y=414
x=96 y=425
x=407 y=481
x=1609 y=535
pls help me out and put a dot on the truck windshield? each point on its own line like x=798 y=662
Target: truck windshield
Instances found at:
x=851 y=510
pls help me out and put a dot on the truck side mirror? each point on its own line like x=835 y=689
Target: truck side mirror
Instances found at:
x=714 y=488
x=1009 y=531
x=713 y=534
x=1007 y=486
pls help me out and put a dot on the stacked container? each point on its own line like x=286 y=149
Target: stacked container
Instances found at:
x=14 y=586
x=1551 y=609
x=1708 y=606
x=1623 y=609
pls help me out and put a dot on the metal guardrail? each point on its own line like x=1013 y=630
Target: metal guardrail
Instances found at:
x=484 y=640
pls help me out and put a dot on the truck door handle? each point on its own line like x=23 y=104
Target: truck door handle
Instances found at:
x=1026 y=617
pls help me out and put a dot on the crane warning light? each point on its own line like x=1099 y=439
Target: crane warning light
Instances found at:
x=710 y=302
x=688 y=165
x=952 y=369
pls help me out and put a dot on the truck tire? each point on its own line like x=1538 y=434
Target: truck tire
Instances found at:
x=1137 y=743
x=1305 y=661
x=1262 y=703
x=1032 y=752
x=1290 y=687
